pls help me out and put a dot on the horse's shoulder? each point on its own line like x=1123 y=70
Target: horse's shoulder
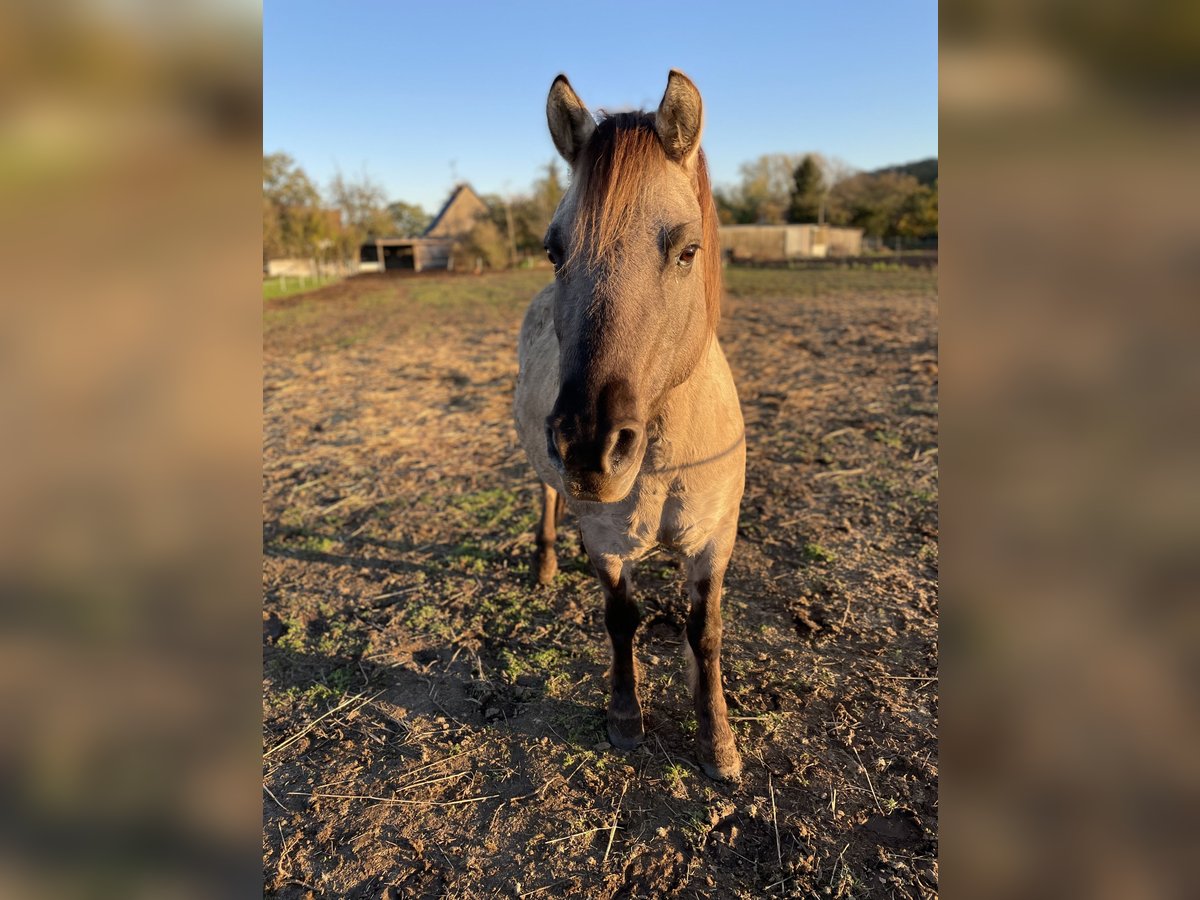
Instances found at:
x=541 y=306
x=538 y=320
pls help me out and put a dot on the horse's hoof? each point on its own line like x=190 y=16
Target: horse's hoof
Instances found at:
x=625 y=732
x=546 y=567
x=724 y=763
x=731 y=774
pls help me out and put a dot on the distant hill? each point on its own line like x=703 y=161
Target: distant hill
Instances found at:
x=924 y=170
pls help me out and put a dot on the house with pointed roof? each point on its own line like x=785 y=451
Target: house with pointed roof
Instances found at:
x=457 y=215
x=432 y=250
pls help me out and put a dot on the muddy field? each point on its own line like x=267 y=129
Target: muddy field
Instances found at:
x=434 y=725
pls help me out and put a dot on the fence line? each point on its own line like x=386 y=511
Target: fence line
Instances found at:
x=301 y=282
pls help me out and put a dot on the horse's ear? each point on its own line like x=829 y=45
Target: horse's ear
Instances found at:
x=680 y=118
x=570 y=122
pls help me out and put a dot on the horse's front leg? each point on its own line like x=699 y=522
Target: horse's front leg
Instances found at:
x=621 y=618
x=545 y=560
x=702 y=650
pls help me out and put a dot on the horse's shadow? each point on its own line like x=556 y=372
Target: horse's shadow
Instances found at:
x=445 y=678
x=406 y=712
x=273 y=545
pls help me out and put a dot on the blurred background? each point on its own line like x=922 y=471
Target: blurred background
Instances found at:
x=1070 y=278
x=129 y=396
x=130 y=216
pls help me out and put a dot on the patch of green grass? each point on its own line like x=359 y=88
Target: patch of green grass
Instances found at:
x=386 y=310
x=319 y=694
x=883 y=485
x=277 y=286
x=511 y=664
x=583 y=730
x=327 y=635
x=887 y=279
x=292 y=315
x=505 y=607
x=293 y=638
x=492 y=508
x=333 y=687
x=889 y=439
x=428 y=618
x=590 y=758
x=558 y=685
x=675 y=774
x=506 y=290
x=736 y=664
x=292 y=517
x=545 y=663
x=337 y=638
x=815 y=553
x=546 y=660
x=469 y=557
x=694 y=825
x=316 y=543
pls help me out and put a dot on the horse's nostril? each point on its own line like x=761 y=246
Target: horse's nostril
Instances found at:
x=621 y=446
x=626 y=441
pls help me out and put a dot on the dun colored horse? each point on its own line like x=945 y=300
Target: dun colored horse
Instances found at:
x=624 y=403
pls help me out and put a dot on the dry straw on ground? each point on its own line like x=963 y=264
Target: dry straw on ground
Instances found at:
x=434 y=725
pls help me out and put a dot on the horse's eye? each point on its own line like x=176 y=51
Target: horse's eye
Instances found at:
x=688 y=254
x=550 y=256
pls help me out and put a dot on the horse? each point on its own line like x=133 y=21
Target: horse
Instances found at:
x=624 y=402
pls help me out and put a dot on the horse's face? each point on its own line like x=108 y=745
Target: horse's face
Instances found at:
x=631 y=310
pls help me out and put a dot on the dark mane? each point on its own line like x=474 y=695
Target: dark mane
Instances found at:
x=618 y=170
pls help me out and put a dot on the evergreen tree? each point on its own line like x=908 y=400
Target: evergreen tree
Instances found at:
x=808 y=189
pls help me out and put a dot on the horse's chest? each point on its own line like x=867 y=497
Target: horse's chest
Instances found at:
x=687 y=523
x=653 y=517
x=642 y=526
x=677 y=521
x=630 y=529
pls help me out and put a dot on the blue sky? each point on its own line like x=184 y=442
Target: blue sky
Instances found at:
x=405 y=90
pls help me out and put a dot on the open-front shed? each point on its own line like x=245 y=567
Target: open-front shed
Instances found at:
x=432 y=250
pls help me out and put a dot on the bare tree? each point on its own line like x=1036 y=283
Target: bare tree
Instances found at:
x=362 y=203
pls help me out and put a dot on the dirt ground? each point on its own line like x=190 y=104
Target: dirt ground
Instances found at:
x=434 y=725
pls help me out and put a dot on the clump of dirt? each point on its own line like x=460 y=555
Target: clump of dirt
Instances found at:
x=434 y=725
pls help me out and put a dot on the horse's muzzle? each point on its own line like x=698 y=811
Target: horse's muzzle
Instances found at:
x=597 y=465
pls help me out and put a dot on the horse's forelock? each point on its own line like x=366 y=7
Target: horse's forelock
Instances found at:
x=617 y=172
